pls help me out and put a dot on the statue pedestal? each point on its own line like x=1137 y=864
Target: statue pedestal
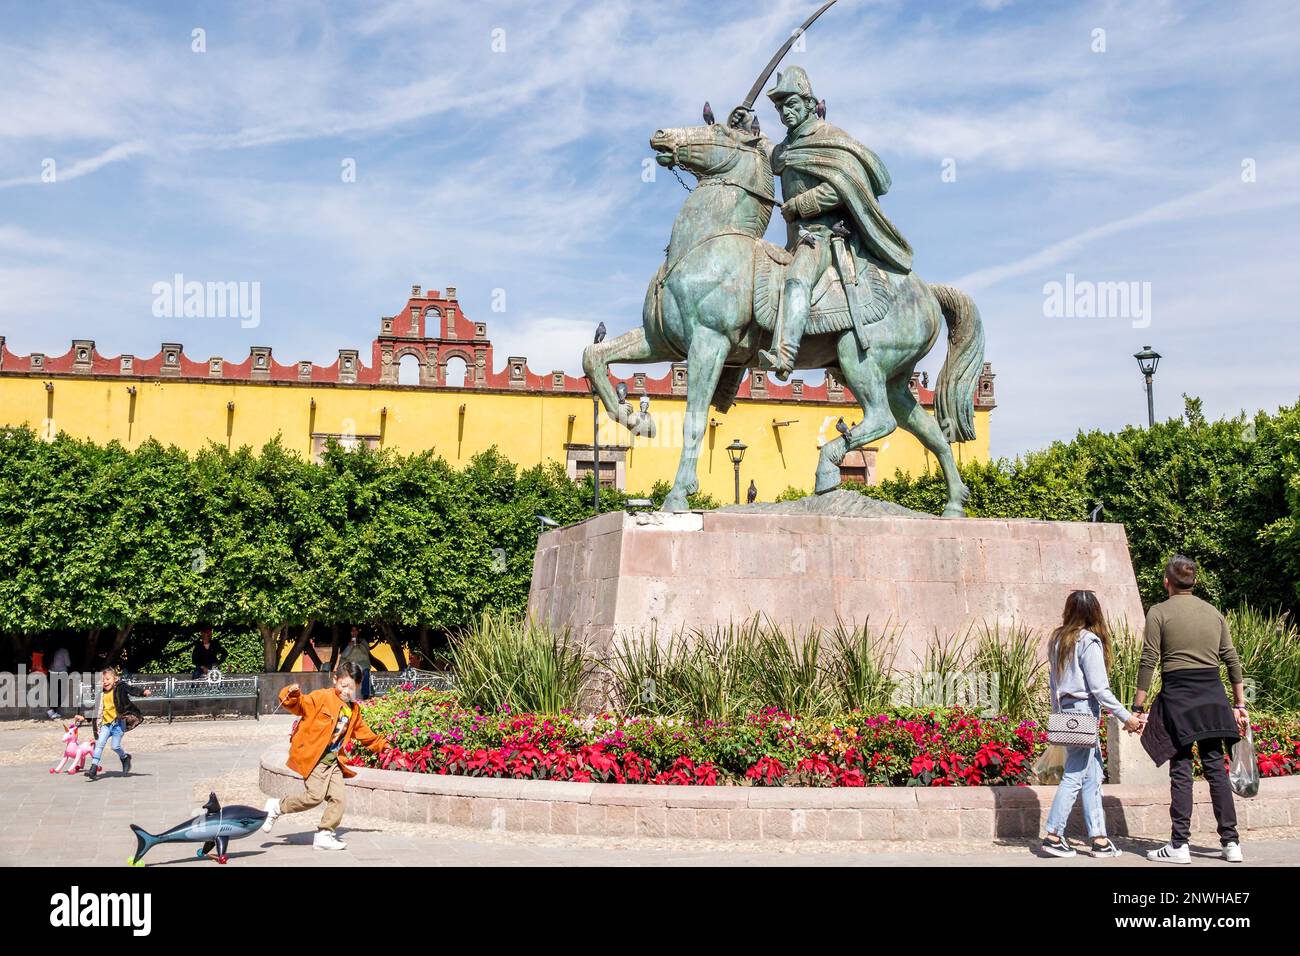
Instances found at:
x=620 y=574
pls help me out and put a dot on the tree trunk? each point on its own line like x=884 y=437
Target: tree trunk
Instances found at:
x=426 y=649
x=270 y=644
x=298 y=647
x=119 y=641
x=399 y=652
x=92 y=645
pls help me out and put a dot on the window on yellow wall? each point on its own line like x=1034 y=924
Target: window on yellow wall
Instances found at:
x=608 y=473
x=859 y=466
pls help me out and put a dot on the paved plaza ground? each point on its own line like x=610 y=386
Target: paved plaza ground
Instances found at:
x=69 y=820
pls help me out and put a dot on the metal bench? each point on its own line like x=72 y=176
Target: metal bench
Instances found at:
x=382 y=683
x=215 y=686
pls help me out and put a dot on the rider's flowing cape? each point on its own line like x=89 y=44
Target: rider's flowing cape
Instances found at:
x=858 y=176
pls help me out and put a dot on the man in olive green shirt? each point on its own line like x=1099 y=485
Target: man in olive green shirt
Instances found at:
x=1188 y=640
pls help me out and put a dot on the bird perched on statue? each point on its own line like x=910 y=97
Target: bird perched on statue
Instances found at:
x=621 y=391
x=708 y=113
x=600 y=333
x=821 y=109
x=752 y=495
x=842 y=429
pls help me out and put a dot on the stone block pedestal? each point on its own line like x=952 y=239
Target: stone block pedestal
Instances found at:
x=621 y=574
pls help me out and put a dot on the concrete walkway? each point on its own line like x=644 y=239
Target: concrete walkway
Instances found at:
x=69 y=820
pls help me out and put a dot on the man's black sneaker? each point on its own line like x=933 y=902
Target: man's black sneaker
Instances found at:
x=126 y=764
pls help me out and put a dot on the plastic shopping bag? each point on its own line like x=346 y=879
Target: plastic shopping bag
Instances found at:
x=1243 y=773
x=1050 y=766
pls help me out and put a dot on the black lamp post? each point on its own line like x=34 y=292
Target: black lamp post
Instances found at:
x=595 y=430
x=736 y=452
x=1147 y=361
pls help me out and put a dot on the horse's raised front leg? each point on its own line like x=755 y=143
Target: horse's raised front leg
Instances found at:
x=704 y=363
x=913 y=418
x=628 y=347
x=863 y=378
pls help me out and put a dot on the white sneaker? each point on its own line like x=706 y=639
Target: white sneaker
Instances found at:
x=1232 y=852
x=272 y=813
x=1170 y=854
x=326 y=840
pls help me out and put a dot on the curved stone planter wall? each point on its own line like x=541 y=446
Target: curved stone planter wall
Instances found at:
x=764 y=813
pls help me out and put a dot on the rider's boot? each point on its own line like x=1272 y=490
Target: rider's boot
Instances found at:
x=795 y=306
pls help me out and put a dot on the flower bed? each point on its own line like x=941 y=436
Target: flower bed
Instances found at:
x=432 y=732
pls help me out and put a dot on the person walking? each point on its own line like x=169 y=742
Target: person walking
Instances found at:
x=1078 y=656
x=1188 y=639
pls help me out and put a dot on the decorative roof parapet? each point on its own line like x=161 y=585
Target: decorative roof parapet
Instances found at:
x=433 y=328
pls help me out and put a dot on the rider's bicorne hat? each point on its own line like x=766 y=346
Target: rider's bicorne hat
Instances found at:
x=793 y=80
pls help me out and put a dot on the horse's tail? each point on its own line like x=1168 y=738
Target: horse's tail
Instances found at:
x=954 y=396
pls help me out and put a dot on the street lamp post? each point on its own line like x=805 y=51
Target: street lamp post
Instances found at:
x=595 y=450
x=736 y=452
x=1147 y=361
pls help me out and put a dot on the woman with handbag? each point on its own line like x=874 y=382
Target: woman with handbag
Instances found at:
x=1078 y=657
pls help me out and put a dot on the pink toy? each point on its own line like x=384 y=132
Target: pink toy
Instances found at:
x=74 y=750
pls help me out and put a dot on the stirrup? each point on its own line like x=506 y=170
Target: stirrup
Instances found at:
x=773 y=364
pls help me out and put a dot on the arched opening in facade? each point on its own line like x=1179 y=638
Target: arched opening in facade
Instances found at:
x=408 y=370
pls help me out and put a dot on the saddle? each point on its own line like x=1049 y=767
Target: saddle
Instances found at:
x=830 y=309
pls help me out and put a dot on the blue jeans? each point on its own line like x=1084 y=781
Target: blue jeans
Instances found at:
x=115 y=730
x=1082 y=775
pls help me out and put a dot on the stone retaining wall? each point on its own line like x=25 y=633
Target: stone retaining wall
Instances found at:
x=763 y=813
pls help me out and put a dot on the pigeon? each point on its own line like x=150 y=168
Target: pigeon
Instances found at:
x=752 y=495
x=821 y=109
x=753 y=125
x=708 y=113
x=621 y=390
x=842 y=429
x=600 y=334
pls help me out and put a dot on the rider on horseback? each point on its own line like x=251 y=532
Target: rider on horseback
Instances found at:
x=826 y=177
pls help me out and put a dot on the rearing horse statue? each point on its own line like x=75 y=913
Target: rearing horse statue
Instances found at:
x=713 y=304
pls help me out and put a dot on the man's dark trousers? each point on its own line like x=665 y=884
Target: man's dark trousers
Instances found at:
x=1180 y=791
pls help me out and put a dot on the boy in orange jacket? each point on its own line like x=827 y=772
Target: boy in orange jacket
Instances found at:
x=330 y=718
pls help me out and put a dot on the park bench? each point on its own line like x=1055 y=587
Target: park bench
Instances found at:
x=215 y=686
x=381 y=684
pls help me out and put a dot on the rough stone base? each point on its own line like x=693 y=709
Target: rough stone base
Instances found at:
x=762 y=813
x=622 y=574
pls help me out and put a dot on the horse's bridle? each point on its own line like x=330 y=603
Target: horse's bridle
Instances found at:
x=719 y=180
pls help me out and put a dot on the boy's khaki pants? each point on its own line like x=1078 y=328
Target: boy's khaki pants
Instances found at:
x=324 y=783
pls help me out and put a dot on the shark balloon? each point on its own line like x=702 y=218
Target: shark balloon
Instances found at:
x=213 y=826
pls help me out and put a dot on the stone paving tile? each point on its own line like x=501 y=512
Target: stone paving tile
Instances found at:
x=73 y=821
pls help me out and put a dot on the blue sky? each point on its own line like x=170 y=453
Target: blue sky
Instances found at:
x=521 y=170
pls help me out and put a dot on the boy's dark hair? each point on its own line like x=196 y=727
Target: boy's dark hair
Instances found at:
x=348 y=669
x=1181 y=572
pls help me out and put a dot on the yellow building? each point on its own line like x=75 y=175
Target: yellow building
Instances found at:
x=456 y=405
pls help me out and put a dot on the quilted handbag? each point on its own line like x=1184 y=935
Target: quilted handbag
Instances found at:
x=1069 y=729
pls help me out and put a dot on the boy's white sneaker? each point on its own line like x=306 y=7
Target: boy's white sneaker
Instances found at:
x=1232 y=852
x=1170 y=854
x=326 y=840
x=272 y=813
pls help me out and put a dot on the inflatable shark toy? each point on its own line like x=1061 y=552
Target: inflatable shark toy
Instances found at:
x=213 y=826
